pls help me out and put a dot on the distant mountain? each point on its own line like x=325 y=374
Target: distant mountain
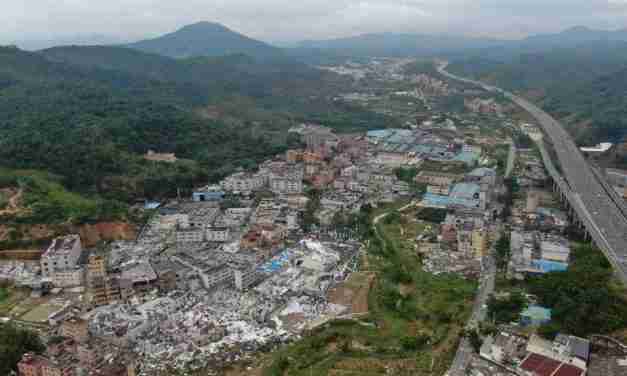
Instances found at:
x=206 y=39
x=400 y=45
x=78 y=40
x=574 y=36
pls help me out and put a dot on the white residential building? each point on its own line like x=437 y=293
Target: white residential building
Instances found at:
x=243 y=182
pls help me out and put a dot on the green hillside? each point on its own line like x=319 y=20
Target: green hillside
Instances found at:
x=583 y=85
x=88 y=114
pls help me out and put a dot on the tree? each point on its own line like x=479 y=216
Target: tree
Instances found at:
x=584 y=298
x=502 y=248
x=14 y=343
x=508 y=309
x=475 y=339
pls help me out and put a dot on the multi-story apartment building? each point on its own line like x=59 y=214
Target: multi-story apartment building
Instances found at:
x=190 y=235
x=62 y=253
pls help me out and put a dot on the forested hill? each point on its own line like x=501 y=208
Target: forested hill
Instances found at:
x=87 y=114
x=206 y=39
x=572 y=83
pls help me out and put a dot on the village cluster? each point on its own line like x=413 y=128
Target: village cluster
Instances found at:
x=256 y=260
x=228 y=271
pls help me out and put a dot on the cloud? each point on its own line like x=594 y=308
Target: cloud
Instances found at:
x=283 y=20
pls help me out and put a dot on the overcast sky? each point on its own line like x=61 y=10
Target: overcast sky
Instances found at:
x=291 y=20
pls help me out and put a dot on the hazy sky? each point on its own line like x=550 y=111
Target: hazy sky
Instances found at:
x=290 y=20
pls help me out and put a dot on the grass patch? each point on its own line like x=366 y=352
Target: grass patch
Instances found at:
x=4 y=294
x=47 y=201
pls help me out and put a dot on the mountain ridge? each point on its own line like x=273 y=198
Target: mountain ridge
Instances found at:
x=206 y=39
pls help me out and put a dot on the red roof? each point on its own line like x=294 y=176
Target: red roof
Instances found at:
x=569 y=370
x=540 y=365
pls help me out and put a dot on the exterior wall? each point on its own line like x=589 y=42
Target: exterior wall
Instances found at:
x=96 y=266
x=443 y=190
x=217 y=234
x=52 y=260
x=191 y=236
x=68 y=277
x=244 y=278
x=479 y=243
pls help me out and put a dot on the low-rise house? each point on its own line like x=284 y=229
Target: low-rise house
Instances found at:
x=555 y=248
x=151 y=155
x=208 y=193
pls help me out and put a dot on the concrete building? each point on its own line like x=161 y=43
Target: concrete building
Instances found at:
x=190 y=235
x=208 y=193
x=217 y=234
x=69 y=277
x=286 y=184
x=555 y=248
x=245 y=277
x=96 y=266
x=242 y=182
x=63 y=253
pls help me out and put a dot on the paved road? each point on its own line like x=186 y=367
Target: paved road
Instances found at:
x=599 y=209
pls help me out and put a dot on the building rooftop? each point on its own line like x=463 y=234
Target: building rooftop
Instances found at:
x=467 y=191
x=139 y=272
x=537 y=313
x=540 y=365
x=482 y=172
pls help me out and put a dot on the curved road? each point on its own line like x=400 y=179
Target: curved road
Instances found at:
x=599 y=209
